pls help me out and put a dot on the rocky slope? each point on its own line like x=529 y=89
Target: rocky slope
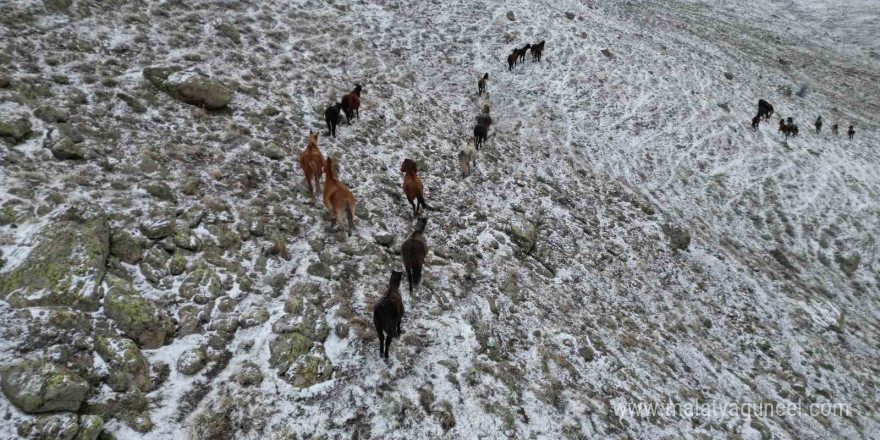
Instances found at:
x=625 y=237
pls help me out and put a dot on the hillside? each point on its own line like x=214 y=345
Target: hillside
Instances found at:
x=626 y=238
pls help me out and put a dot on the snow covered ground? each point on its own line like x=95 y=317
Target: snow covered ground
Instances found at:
x=601 y=154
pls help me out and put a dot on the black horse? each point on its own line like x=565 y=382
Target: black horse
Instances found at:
x=765 y=109
x=388 y=313
x=331 y=115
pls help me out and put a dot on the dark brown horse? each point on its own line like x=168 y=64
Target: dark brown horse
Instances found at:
x=351 y=104
x=756 y=121
x=511 y=60
x=414 y=250
x=388 y=313
x=482 y=83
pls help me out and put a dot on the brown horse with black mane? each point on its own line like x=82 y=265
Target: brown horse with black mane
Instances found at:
x=351 y=103
x=413 y=187
x=413 y=251
x=482 y=83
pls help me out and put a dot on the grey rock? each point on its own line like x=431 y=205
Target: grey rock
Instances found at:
x=50 y=114
x=129 y=369
x=42 y=386
x=66 y=266
x=15 y=129
x=191 y=361
x=156 y=228
x=65 y=149
x=136 y=316
x=249 y=374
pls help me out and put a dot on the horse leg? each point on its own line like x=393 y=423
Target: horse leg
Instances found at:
x=387 y=345
x=309 y=183
x=413 y=206
x=381 y=339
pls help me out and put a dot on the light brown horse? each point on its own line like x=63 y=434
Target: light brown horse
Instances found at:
x=337 y=197
x=312 y=163
x=413 y=187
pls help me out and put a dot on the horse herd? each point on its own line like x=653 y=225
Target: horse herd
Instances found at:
x=339 y=200
x=787 y=126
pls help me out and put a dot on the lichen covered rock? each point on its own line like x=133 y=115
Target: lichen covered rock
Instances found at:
x=67 y=264
x=41 y=386
x=128 y=368
x=191 y=361
x=137 y=317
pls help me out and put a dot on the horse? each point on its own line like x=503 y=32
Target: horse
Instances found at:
x=331 y=115
x=765 y=109
x=481 y=133
x=467 y=156
x=485 y=120
x=351 y=103
x=521 y=53
x=784 y=128
x=834 y=129
x=793 y=129
x=486 y=105
x=536 y=57
x=413 y=187
x=818 y=124
x=312 y=162
x=851 y=132
x=387 y=314
x=413 y=251
x=482 y=83
x=511 y=60
x=338 y=199
x=756 y=121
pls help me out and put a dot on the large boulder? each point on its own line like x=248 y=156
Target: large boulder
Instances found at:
x=65 y=149
x=66 y=266
x=300 y=362
x=285 y=349
x=126 y=247
x=190 y=87
x=56 y=427
x=156 y=228
x=128 y=368
x=524 y=234
x=89 y=427
x=49 y=113
x=15 y=129
x=42 y=386
x=309 y=370
x=136 y=316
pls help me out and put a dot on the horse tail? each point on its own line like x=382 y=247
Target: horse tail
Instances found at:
x=422 y=202
x=349 y=214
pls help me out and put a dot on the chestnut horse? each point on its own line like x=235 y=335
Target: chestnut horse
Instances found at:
x=337 y=198
x=312 y=163
x=413 y=187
